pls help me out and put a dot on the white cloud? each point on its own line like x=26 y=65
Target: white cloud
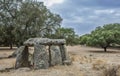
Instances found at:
x=107 y=11
x=50 y=3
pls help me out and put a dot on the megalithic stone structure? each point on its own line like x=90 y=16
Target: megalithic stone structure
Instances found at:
x=22 y=57
x=43 y=58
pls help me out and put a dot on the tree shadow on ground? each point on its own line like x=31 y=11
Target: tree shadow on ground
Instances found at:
x=7 y=57
x=7 y=49
x=102 y=51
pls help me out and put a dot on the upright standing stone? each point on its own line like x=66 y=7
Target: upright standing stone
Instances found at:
x=22 y=57
x=65 y=56
x=40 y=57
x=55 y=55
x=63 y=52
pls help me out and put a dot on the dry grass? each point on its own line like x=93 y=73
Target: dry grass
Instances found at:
x=85 y=63
x=54 y=71
x=7 y=63
x=99 y=64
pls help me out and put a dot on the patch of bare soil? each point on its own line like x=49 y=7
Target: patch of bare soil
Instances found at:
x=86 y=61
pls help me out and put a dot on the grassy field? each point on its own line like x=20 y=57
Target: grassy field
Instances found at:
x=86 y=61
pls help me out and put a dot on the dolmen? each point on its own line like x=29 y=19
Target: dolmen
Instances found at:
x=47 y=53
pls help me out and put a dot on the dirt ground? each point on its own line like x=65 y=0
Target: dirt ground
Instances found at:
x=86 y=61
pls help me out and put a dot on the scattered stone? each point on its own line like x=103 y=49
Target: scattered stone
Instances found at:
x=67 y=62
x=25 y=69
x=6 y=69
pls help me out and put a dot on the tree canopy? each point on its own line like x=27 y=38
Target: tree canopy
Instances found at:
x=68 y=34
x=103 y=36
x=22 y=19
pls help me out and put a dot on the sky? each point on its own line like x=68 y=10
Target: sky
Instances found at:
x=85 y=15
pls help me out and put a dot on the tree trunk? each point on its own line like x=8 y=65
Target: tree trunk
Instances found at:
x=105 y=49
x=11 y=46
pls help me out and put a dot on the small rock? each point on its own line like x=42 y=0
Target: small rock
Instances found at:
x=25 y=69
x=67 y=62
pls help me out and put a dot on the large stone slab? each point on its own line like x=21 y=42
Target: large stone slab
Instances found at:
x=44 y=41
x=40 y=57
x=55 y=55
x=22 y=57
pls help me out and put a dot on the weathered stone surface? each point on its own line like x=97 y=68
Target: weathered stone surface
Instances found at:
x=67 y=62
x=22 y=57
x=63 y=52
x=30 y=59
x=55 y=55
x=44 y=41
x=25 y=69
x=65 y=56
x=40 y=57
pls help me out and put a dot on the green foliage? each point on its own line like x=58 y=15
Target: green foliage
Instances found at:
x=103 y=36
x=68 y=34
x=20 y=20
x=84 y=39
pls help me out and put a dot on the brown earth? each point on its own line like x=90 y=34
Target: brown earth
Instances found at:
x=86 y=61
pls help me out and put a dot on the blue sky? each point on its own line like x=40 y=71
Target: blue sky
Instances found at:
x=85 y=15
